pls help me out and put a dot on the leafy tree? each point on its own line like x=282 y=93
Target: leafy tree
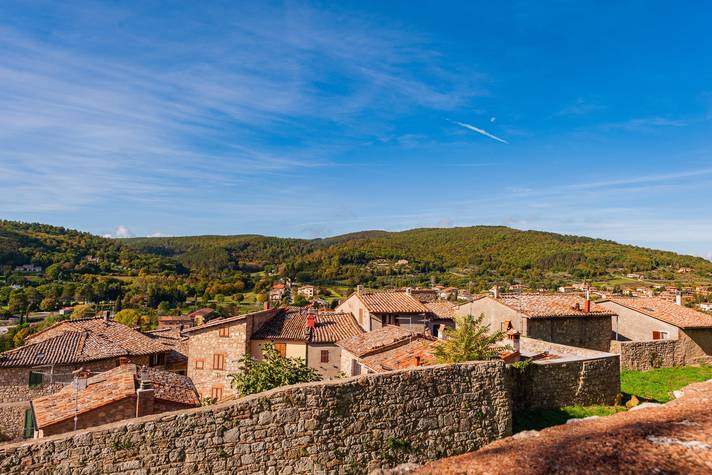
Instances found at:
x=469 y=341
x=128 y=317
x=18 y=302
x=83 y=311
x=48 y=303
x=272 y=371
x=300 y=301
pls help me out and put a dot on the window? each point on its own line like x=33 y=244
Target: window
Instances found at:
x=219 y=361
x=660 y=335
x=216 y=392
x=324 y=356
x=224 y=332
x=158 y=359
x=200 y=364
x=281 y=349
x=35 y=379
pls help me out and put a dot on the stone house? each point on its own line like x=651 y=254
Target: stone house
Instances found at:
x=373 y=310
x=562 y=318
x=177 y=344
x=178 y=321
x=123 y=392
x=312 y=336
x=441 y=314
x=95 y=344
x=307 y=291
x=215 y=350
x=385 y=349
x=277 y=292
x=642 y=319
x=202 y=315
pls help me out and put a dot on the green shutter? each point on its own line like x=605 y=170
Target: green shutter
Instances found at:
x=29 y=424
x=35 y=379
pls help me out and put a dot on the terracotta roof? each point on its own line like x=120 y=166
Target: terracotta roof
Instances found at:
x=390 y=302
x=666 y=311
x=75 y=341
x=174 y=318
x=330 y=327
x=441 y=310
x=408 y=354
x=109 y=387
x=674 y=438
x=222 y=321
x=376 y=340
x=201 y=312
x=545 y=306
x=424 y=295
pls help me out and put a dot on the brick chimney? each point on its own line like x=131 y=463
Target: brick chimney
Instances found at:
x=144 y=398
x=587 y=302
x=514 y=339
x=265 y=306
x=123 y=361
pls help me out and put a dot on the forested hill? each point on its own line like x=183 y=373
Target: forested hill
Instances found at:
x=479 y=254
x=64 y=251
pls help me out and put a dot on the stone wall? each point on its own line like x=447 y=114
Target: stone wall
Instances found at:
x=587 y=379
x=592 y=332
x=645 y=355
x=12 y=420
x=338 y=426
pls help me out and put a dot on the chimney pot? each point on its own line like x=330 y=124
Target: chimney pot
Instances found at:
x=678 y=298
x=587 y=305
x=123 y=361
x=265 y=306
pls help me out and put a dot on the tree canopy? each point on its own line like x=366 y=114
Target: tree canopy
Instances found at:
x=471 y=340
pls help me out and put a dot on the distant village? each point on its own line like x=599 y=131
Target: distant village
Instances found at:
x=85 y=372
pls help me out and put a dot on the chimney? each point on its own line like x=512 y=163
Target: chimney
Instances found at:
x=678 y=298
x=311 y=320
x=359 y=289
x=144 y=398
x=409 y=290
x=513 y=336
x=123 y=361
x=416 y=360
x=495 y=291
x=106 y=316
x=265 y=306
x=587 y=302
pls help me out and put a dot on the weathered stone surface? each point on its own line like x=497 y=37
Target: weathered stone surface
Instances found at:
x=645 y=355
x=341 y=426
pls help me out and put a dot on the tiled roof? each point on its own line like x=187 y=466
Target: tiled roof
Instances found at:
x=76 y=341
x=170 y=386
x=390 y=302
x=289 y=325
x=441 y=310
x=222 y=321
x=201 y=312
x=424 y=295
x=109 y=387
x=409 y=354
x=666 y=311
x=544 y=306
x=174 y=318
x=376 y=340
x=177 y=344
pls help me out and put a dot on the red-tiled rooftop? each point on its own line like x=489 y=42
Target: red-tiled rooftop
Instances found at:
x=666 y=311
x=75 y=341
x=376 y=340
x=441 y=310
x=545 y=306
x=410 y=353
x=109 y=387
x=290 y=325
x=675 y=438
x=391 y=302
x=222 y=321
x=176 y=343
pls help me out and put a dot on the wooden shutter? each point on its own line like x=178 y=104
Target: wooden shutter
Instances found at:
x=29 y=425
x=218 y=361
x=657 y=335
x=324 y=356
x=281 y=349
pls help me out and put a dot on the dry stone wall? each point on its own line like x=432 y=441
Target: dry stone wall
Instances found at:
x=645 y=355
x=550 y=384
x=340 y=426
x=12 y=420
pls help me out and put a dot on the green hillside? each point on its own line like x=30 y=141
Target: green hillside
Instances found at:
x=479 y=255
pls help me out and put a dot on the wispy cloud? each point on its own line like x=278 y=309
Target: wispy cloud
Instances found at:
x=643 y=124
x=121 y=231
x=480 y=131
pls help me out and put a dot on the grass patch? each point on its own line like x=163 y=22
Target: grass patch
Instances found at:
x=541 y=418
x=657 y=385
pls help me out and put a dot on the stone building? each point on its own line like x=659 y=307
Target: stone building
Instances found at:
x=202 y=315
x=373 y=310
x=177 y=344
x=123 y=392
x=307 y=291
x=95 y=344
x=312 y=336
x=566 y=319
x=683 y=335
x=177 y=321
x=386 y=349
x=215 y=349
x=442 y=314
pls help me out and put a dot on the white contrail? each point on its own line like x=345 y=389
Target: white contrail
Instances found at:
x=480 y=131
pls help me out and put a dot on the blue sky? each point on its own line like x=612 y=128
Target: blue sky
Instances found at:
x=315 y=119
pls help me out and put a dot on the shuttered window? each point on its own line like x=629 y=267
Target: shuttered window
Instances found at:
x=324 y=356
x=219 y=361
x=281 y=349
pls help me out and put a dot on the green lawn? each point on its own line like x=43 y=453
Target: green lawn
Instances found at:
x=657 y=385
